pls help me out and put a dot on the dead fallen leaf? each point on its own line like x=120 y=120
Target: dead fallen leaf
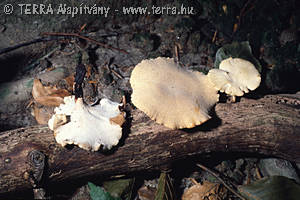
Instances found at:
x=89 y=71
x=93 y=82
x=224 y=7
x=50 y=69
x=48 y=95
x=42 y=114
x=208 y=190
x=146 y=193
x=235 y=27
x=120 y=119
x=70 y=81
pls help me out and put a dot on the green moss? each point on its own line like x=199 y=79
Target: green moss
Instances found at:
x=4 y=91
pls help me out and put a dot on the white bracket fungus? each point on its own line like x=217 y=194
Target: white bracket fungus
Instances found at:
x=235 y=77
x=89 y=127
x=171 y=95
x=178 y=98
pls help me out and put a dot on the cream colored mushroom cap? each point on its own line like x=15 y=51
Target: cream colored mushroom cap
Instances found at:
x=235 y=76
x=89 y=127
x=171 y=95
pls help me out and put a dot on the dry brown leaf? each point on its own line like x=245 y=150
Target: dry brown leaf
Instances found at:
x=48 y=95
x=42 y=115
x=146 y=193
x=208 y=190
x=89 y=71
x=235 y=27
x=93 y=82
x=120 y=119
x=50 y=69
x=70 y=81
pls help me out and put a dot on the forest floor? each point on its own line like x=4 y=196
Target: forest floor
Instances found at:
x=196 y=38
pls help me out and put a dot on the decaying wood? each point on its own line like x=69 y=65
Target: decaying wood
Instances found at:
x=269 y=125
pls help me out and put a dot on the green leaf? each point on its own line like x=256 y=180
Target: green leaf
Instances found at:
x=121 y=188
x=271 y=188
x=236 y=50
x=165 y=190
x=97 y=193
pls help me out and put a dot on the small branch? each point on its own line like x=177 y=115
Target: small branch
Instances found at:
x=214 y=37
x=82 y=27
x=8 y=49
x=36 y=62
x=85 y=38
x=176 y=51
x=221 y=180
x=243 y=11
x=117 y=74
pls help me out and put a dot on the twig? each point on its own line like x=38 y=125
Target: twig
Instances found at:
x=176 y=51
x=214 y=37
x=194 y=181
x=2 y=28
x=258 y=174
x=84 y=38
x=36 y=62
x=8 y=49
x=107 y=65
x=124 y=100
x=243 y=11
x=82 y=27
x=117 y=74
x=221 y=180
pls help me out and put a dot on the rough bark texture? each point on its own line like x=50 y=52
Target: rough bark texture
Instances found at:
x=270 y=126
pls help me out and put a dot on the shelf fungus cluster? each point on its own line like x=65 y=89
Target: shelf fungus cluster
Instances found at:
x=179 y=98
x=89 y=127
x=165 y=91
x=235 y=77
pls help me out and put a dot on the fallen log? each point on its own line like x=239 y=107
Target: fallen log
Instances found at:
x=269 y=126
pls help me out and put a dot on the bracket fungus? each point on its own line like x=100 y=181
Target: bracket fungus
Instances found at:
x=89 y=127
x=179 y=98
x=235 y=77
x=171 y=95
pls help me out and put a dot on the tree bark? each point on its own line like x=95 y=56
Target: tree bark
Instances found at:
x=269 y=126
